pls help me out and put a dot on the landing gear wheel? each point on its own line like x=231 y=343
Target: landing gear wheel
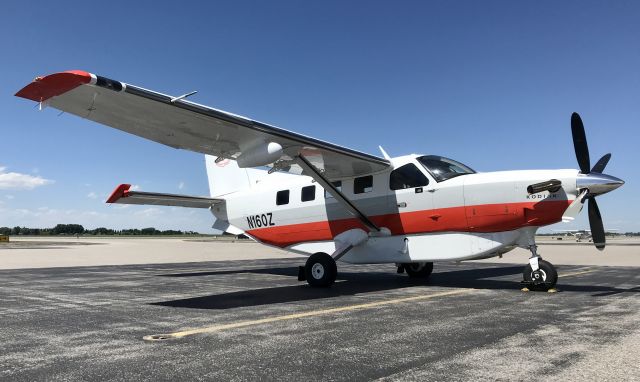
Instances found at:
x=418 y=270
x=544 y=279
x=320 y=270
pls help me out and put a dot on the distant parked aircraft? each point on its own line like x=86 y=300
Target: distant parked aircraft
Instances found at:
x=583 y=234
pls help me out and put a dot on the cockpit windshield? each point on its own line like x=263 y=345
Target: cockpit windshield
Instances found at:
x=442 y=168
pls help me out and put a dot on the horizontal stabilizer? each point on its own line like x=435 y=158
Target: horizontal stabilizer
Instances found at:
x=123 y=195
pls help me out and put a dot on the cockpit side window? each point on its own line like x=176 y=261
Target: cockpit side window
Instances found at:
x=442 y=168
x=407 y=176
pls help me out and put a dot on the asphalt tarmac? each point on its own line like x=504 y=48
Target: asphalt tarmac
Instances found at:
x=252 y=320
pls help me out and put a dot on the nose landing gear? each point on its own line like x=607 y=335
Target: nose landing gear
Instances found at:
x=539 y=275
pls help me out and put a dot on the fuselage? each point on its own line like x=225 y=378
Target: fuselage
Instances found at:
x=293 y=211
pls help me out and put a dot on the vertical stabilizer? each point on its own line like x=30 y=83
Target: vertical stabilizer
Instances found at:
x=225 y=177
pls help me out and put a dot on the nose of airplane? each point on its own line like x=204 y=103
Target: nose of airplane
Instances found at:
x=598 y=184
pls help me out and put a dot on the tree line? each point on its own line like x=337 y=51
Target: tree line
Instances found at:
x=77 y=229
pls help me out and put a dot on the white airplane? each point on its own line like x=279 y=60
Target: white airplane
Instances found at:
x=582 y=234
x=334 y=203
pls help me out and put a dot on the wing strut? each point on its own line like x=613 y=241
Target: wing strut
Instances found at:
x=327 y=185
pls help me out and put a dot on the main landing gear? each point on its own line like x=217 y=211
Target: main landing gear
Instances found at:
x=539 y=275
x=320 y=270
x=416 y=270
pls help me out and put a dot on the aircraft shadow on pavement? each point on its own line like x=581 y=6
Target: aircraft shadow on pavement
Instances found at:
x=617 y=291
x=352 y=283
x=280 y=271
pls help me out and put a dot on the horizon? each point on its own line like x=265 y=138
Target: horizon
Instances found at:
x=608 y=232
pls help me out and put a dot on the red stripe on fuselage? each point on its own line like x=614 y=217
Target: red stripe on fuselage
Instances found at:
x=480 y=218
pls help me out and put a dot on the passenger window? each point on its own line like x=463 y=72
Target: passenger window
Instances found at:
x=282 y=197
x=407 y=176
x=337 y=184
x=363 y=184
x=308 y=193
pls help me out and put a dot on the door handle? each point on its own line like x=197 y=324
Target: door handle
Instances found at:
x=433 y=190
x=435 y=216
x=402 y=204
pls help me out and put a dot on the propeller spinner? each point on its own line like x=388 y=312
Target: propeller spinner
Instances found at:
x=591 y=182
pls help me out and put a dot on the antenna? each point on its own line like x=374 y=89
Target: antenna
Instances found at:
x=174 y=99
x=384 y=153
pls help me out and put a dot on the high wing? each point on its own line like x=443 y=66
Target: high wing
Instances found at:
x=123 y=195
x=179 y=123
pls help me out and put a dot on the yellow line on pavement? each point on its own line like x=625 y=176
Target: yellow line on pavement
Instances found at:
x=577 y=273
x=313 y=313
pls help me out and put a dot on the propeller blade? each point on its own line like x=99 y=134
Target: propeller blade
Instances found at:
x=601 y=164
x=595 y=222
x=580 y=143
x=575 y=207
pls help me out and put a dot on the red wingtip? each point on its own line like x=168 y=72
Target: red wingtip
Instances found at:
x=43 y=88
x=119 y=192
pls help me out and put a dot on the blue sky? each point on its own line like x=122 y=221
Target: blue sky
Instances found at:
x=489 y=83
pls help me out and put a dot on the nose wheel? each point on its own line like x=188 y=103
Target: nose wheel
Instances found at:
x=542 y=279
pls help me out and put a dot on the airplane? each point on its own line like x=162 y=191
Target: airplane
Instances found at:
x=582 y=234
x=331 y=202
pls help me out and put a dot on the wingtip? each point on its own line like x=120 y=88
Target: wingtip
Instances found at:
x=118 y=193
x=44 y=87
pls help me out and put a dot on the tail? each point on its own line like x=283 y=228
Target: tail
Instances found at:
x=225 y=177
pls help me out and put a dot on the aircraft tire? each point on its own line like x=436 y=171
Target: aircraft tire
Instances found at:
x=418 y=270
x=549 y=275
x=320 y=270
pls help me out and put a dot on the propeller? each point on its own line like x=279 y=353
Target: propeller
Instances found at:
x=601 y=164
x=595 y=222
x=591 y=182
x=580 y=143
